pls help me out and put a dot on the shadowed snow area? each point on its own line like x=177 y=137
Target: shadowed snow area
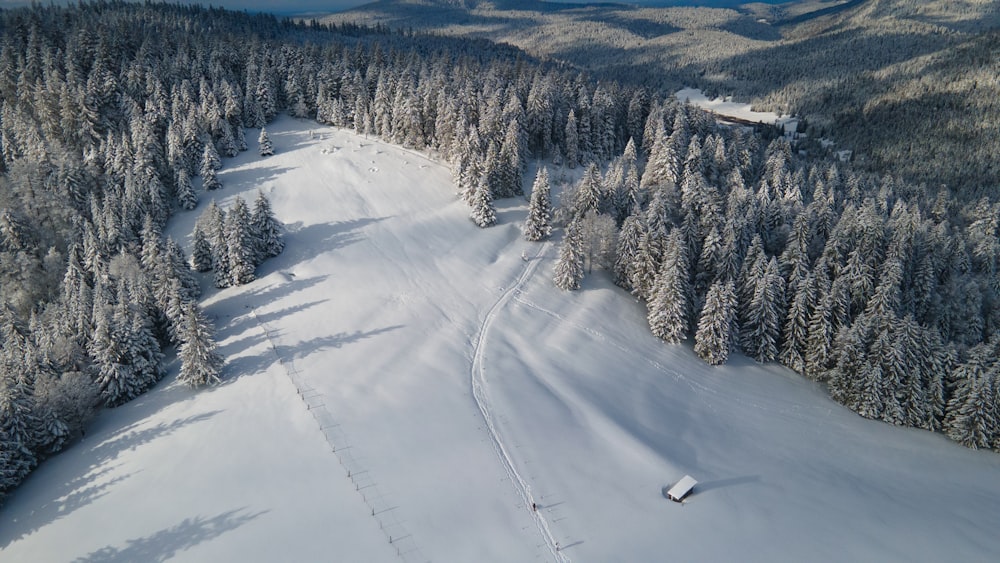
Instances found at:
x=397 y=341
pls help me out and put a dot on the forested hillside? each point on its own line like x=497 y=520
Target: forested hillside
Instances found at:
x=908 y=85
x=884 y=289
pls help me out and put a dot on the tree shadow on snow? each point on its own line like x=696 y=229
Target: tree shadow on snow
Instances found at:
x=238 y=179
x=251 y=364
x=166 y=543
x=83 y=475
x=304 y=242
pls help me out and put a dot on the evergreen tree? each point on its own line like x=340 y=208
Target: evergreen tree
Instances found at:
x=228 y=145
x=627 y=252
x=201 y=250
x=538 y=225
x=714 y=338
x=264 y=143
x=200 y=363
x=761 y=330
x=176 y=267
x=793 y=350
x=568 y=270
x=669 y=308
x=241 y=139
x=642 y=276
x=213 y=221
x=210 y=180
x=265 y=230
x=210 y=159
x=971 y=419
x=589 y=194
x=186 y=197
x=572 y=153
x=241 y=245
x=483 y=212
x=17 y=419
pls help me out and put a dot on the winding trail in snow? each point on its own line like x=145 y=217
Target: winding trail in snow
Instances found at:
x=479 y=394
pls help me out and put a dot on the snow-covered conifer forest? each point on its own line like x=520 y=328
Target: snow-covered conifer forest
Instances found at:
x=115 y=118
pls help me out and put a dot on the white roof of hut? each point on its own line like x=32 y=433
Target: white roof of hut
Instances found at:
x=681 y=488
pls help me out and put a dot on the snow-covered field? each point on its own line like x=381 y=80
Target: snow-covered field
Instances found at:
x=401 y=385
x=726 y=107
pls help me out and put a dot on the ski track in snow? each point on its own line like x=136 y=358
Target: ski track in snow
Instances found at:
x=383 y=510
x=479 y=388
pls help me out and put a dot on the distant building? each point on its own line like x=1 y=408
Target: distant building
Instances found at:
x=681 y=489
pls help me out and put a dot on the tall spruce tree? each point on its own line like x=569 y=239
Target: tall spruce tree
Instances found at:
x=265 y=230
x=201 y=364
x=669 y=308
x=264 y=145
x=714 y=339
x=483 y=213
x=538 y=225
x=241 y=246
x=568 y=270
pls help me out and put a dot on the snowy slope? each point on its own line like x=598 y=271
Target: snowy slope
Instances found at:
x=396 y=341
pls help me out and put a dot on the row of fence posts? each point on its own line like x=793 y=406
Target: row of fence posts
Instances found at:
x=380 y=506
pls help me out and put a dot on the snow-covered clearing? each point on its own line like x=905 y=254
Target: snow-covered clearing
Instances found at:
x=396 y=341
x=726 y=107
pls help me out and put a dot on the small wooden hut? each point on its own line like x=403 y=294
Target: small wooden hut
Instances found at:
x=682 y=488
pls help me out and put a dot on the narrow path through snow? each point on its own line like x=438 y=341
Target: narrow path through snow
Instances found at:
x=479 y=388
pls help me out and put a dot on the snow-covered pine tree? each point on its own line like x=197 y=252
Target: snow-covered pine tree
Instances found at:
x=241 y=138
x=538 y=225
x=213 y=221
x=572 y=140
x=760 y=332
x=512 y=160
x=971 y=415
x=210 y=180
x=714 y=339
x=201 y=250
x=227 y=141
x=568 y=269
x=115 y=347
x=668 y=314
x=201 y=364
x=17 y=457
x=796 y=331
x=642 y=274
x=627 y=251
x=241 y=244
x=483 y=213
x=176 y=266
x=589 y=194
x=266 y=230
x=210 y=159
x=142 y=348
x=186 y=197
x=264 y=143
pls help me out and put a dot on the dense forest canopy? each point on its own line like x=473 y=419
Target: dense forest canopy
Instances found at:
x=114 y=116
x=908 y=85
